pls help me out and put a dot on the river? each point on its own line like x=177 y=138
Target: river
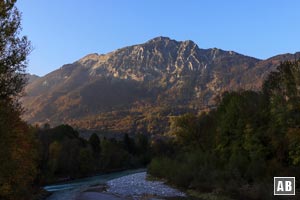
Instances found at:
x=69 y=190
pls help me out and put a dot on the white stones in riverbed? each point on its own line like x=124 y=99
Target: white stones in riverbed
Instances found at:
x=137 y=185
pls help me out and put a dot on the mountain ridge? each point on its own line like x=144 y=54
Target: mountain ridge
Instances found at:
x=115 y=91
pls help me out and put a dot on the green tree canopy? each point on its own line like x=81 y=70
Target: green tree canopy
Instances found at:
x=283 y=89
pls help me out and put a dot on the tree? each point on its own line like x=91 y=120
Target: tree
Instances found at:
x=54 y=153
x=13 y=50
x=95 y=143
x=192 y=130
x=17 y=144
x=18 y=155
x=86 y=161
x=282 y=87
x=129 y=144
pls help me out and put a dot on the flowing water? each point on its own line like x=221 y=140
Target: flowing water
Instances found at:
x=69 y=190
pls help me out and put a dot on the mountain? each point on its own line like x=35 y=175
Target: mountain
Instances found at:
x=138 y=88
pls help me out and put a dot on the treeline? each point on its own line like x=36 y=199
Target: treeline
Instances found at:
x=237 y=149
x=64 y=155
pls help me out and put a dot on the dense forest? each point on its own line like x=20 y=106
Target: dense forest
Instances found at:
x=240 y=146
x=63 y=155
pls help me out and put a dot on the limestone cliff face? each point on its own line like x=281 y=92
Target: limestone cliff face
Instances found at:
x=137 y=88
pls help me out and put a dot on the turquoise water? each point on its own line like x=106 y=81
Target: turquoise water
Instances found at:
x=69 y=190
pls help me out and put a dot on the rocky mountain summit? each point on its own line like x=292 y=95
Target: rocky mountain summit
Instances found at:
x=138 y=88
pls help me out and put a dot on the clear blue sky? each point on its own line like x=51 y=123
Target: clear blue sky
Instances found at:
x=63 y=31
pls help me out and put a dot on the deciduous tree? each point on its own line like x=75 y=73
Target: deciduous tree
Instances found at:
x=17 y=144
x=13 y=50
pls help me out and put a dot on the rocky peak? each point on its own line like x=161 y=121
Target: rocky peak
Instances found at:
x=159 y=39
x=189 y=43
x=151 y=60
x=159 y=44
x=167 y=42
x=89 y=58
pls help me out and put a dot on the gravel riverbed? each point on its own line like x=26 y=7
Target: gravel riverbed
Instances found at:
x=137 y=186
x=106 y=187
